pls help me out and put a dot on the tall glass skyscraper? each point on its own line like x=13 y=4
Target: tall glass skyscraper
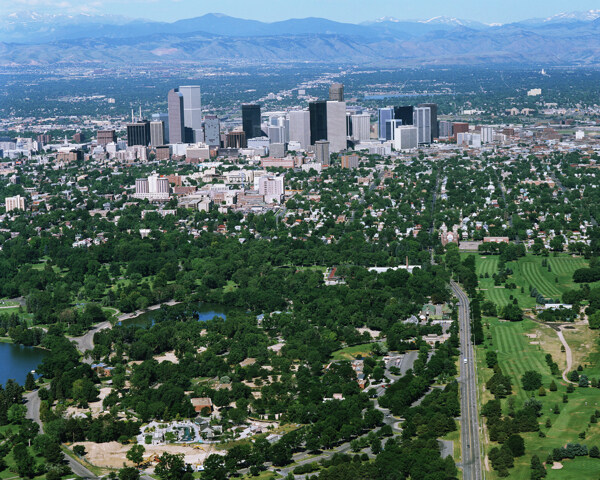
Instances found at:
x=318 y=121
x=251 y=120
x=176 y=125
x=385 y=114
x=192 y=106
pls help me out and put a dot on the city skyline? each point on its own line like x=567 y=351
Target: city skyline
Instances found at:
x=495 y=11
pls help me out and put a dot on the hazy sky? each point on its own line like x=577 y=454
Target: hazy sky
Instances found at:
x=342 y=10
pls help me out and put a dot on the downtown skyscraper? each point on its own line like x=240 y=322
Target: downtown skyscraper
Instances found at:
x=176 y=116
x=192 y=112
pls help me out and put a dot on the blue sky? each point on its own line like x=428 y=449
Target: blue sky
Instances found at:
x=354 y=11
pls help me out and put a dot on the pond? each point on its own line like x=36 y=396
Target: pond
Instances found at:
x=17 y=361
x=205 y=311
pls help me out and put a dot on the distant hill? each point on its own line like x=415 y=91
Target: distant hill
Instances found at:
x=566 y=39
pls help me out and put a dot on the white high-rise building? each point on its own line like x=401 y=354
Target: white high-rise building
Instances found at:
x=422 y=120
x=487 y=134
x=192 y=106
x=152 y=188
x=271 y=187
x=300 y=127
x=361 y=127
x=469 y=139
x=406 y=137
x=336 y=126
x=14 y=203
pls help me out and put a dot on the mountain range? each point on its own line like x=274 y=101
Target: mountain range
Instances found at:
x=37 y=39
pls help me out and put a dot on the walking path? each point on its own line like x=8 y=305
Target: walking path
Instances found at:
x=569 y=368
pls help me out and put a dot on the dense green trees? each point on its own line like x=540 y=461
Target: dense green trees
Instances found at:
x=531 y=380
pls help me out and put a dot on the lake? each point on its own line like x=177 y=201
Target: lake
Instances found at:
x=205 y=311
x=17 y=361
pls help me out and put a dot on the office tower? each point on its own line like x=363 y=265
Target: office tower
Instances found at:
x=487 y=134
x=336 y=126
x=152 y=188
x=157 y=133
x=300 y=127
x=433 y=109
x=162 y=117
x=236 y=139
x=318 y=121
x=251 y=120
x=78 y=137
x=349 y=126
x=106 y=136
x=271 y=185
x=277 y=150
x=422 y=120
x=14 y=203
x=336 y=92
x=192 y=107
x=277 y=134
x=390 y=129
x=141 y=186
x=459 y=127
x=361 y=127
x=189 y=135
x=176 y=114
x=44 y=139
x=405 y=114
x=322 y=152
x=405 y=137
x=468 y=139
x=163 y=152
x=138 y=133
x=384 y=114
x=350 y=161
x=212 y=132
x=445 y=129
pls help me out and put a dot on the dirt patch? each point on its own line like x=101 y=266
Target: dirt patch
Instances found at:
x=113 y=454
x=557 y=466
x=167 y=357
x=373 y=333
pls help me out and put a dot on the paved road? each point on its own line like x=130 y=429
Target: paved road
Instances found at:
x=471 y=454
x=85 y=343
x=32 y=402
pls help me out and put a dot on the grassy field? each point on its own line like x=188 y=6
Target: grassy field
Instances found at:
x=523 y=345
x=528 y=271
x=350 y=353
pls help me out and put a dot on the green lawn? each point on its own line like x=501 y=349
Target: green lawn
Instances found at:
x=350 y=353
x=528 y=272
x=518 y=351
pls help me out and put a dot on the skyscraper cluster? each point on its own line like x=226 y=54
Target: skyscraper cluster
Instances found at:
x=422 y=118
x=327 y=126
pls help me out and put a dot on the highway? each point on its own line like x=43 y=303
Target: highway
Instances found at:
x=471 y=453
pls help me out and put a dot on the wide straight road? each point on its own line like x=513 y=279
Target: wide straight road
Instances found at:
x=471 y=455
